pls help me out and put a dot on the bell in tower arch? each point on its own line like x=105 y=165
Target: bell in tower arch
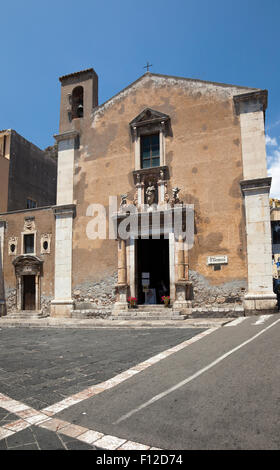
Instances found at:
x=78 y=102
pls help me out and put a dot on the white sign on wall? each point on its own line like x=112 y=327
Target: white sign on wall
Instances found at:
x=221 y=259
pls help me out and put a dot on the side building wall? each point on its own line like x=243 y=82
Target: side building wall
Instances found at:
x=13 y=226
x=32 y=174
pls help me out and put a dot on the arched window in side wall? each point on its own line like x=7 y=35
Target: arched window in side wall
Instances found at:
x=78 y=102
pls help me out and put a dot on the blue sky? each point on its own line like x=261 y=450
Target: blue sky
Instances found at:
x=229 y=41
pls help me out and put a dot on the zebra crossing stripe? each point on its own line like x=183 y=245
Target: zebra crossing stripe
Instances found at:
x=236 y=322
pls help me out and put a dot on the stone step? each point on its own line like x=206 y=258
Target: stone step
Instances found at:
x=26 y=314
x=147 y=318
x=152 y=307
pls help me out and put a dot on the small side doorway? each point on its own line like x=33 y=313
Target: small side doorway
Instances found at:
x=152 y=272
x=29 y=288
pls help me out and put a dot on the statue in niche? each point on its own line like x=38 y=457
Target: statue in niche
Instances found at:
x=135 y=198
x=166 y=195
x=150 y=193
x=123 y=201
x=175 y=199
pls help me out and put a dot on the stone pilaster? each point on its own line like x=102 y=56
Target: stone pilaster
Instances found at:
x=64 y=213
x=121 y=287
x=63 y=303
x=2 y=289
x=260 y=295
x=181 y=284
x=255 y=188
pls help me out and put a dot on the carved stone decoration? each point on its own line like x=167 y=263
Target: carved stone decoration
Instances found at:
x=29 y=225
x=135 y=198
x=46 y=243
x=175 y=199
x=150 y=193
x=12 y=246
x=123 y=201
x=166 y=195
x=27 y=265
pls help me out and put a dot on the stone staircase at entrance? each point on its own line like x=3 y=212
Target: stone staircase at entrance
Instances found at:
x=25 y=314
x=142 y=312
x=149 y=312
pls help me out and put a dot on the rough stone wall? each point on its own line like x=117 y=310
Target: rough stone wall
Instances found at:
x=11 y=299
x=206 y=294
x=95 y=294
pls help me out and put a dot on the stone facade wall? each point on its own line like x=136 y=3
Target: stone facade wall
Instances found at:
x=44 y=224
x=203 y=154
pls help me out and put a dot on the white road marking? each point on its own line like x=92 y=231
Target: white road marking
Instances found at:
x=237 y=321
x=262 y=319
x=64 y=427
x=42 y=418
x=194 y=376
x=110 y=383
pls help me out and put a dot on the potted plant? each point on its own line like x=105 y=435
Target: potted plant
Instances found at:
x=132 y=302
x=166 y=300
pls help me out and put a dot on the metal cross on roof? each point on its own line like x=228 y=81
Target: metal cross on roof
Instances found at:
x=147 y=66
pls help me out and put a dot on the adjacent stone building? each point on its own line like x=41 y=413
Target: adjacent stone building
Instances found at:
x=275 y=236
x=27 y=174
x=162 y=146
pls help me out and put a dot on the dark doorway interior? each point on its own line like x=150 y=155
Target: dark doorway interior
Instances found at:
x=153 y=257
x=28 y=293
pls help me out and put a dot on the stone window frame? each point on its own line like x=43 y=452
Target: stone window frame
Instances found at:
x=149 y=122
x=12 y=241
x=29 y=232
x=32 y=201
x=46 y=237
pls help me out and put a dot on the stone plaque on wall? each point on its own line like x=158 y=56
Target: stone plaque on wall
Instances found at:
x=219 y=259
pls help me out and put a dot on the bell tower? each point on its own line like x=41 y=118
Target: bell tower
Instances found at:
x=79 y=95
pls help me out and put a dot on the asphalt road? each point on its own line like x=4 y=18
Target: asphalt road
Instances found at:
x=234 y=404
x=221 y=391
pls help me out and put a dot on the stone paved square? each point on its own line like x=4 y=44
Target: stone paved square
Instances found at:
x=40 y=367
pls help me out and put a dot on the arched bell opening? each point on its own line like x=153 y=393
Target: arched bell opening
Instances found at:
x=78 y=102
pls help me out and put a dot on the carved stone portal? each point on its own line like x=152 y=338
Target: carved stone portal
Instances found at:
x=30 y=267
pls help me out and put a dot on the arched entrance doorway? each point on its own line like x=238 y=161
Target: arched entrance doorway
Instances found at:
x=28 y=271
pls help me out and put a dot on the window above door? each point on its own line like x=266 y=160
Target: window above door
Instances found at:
x=148 y=131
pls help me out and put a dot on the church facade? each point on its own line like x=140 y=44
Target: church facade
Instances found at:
x=165 y=149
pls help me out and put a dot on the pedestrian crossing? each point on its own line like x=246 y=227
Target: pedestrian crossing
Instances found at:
x=260 y=321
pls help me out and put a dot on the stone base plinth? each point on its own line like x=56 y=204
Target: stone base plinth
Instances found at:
x=184 y=306
x=260 y=303
x=181 y=295
x=61 y=308
x=121 y=304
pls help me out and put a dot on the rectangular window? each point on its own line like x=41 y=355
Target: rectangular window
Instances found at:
x=28 y=243
x=275 y=232
x=150 y=154
x=31 y=204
